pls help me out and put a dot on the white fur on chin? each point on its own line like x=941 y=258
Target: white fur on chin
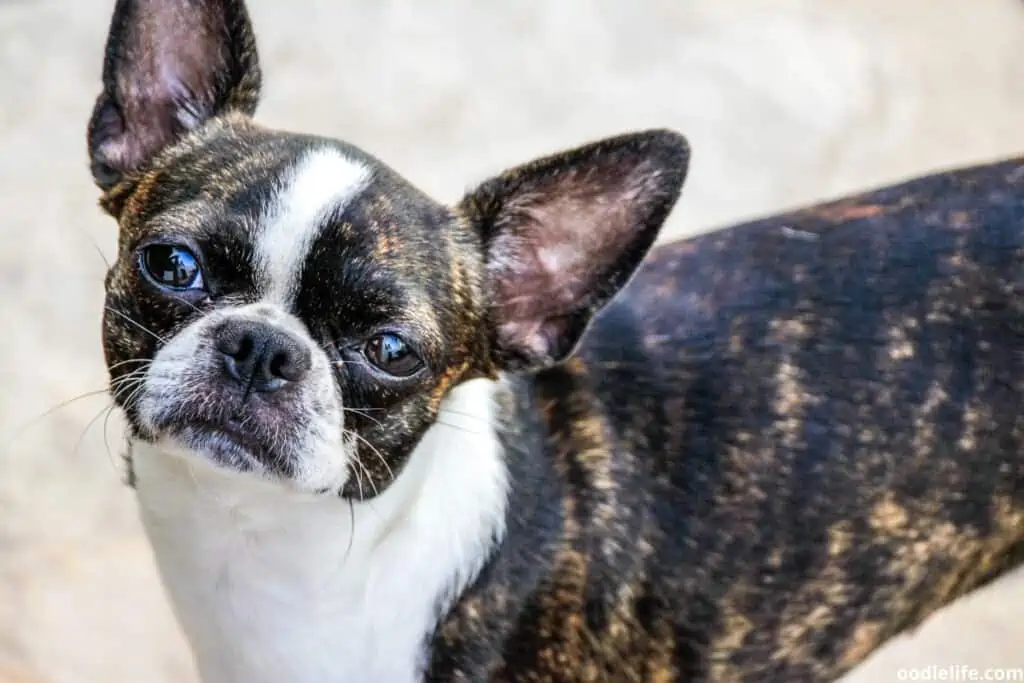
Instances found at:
x=276 y=586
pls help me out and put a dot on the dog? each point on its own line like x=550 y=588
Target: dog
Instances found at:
x=377 y=438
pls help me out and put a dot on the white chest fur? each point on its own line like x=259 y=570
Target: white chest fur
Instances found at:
x=273 y=586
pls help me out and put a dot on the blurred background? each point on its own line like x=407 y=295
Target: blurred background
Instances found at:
x=786 y=102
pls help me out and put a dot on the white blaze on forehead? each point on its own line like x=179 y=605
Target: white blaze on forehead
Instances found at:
x=320 y=184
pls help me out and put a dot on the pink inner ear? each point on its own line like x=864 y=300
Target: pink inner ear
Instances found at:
x=166 y=81
x=563 y=234
x=556 y=245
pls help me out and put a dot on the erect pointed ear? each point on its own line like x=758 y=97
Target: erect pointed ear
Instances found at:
x=170 y=65
x=563 y=234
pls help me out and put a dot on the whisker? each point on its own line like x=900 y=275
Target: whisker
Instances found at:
x=369 y=478
x=136 y=373
x=99 y=251
x=129 y=361
x=68 y=402
x=20 y=431
x=81 y=437
x=127 y=380
x=460 y=428
x=136 y=390
x=106 y=433
x=358 y=461
x=360 y=413
x=348 y=548
x=359 y=478
x=460 y=413
x=380 y=457
x=188 y=303
x=351 y=527
x=137 y=324
x=128 y=388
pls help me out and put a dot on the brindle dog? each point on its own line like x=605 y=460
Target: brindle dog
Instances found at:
x=378 y=438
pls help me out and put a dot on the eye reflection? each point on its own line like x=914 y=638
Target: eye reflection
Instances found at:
x=172 y=267
x=392 y=354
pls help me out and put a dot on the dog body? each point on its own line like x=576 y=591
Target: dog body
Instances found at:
x=781 y=445
x=377 y=438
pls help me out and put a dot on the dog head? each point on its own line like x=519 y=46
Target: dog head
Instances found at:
x=288 y=305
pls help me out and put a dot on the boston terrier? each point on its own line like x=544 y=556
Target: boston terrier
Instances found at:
x=380 y=439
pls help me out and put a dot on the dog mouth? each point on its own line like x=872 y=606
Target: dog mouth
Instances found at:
x=233 y=444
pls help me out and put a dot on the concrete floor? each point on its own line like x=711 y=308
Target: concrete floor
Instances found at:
x=785 y=102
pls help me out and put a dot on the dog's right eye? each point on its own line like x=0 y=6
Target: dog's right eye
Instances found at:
x=172 y=267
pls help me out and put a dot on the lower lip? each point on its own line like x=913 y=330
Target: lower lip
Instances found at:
x=222 y=440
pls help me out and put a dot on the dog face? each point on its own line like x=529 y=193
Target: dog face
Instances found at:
x=287 y=305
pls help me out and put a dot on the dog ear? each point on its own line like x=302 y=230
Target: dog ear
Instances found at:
x=563 y=234
x=170 y=65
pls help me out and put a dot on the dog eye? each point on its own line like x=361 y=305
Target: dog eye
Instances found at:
x=392 y=354
x=172 y=267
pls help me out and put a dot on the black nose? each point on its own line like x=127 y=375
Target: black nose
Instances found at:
x=260 y=355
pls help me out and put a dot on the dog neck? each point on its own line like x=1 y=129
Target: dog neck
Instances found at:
x=277 y=585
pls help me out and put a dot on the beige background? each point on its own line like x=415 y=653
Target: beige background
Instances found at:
x=785 y=102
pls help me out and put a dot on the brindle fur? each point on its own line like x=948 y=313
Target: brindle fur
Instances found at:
x=784 y=443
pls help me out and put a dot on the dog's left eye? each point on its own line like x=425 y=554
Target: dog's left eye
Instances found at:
x=393 y=355
x=172 y=267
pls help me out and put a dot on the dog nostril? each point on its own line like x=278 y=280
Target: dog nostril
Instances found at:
x=235 y=343
x=280 y=366
x=290 y=364
x=242 y=349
